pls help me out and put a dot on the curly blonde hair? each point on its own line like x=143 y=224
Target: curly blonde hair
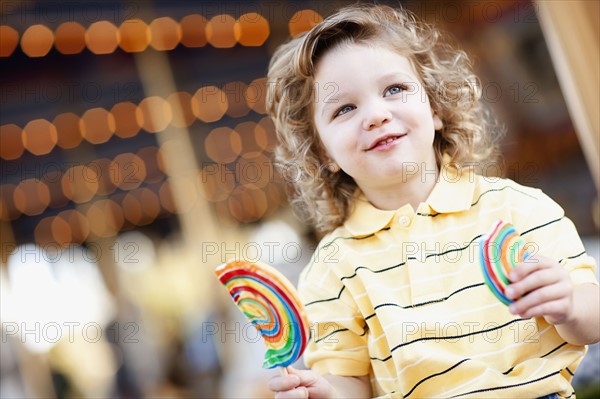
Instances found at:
x=323 y=196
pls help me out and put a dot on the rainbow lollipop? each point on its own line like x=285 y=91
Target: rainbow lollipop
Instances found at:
x=500 y=251
x=271 y=304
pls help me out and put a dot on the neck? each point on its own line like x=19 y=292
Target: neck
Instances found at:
x=414 y=191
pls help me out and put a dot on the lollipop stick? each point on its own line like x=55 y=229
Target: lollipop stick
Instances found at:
x=283 y=370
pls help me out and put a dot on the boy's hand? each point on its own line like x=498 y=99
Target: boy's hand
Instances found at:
x=540 y=287
x=300 y=384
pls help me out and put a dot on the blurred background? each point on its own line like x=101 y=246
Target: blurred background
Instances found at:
x=136 y=156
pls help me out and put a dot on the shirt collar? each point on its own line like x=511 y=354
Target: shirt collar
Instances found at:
x=452 y=193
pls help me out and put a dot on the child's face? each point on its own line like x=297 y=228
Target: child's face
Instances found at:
x=373 y=116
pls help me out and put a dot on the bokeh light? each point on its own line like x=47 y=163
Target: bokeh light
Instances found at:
x=52 y=178
x=247 y=204
x=102 y=168
x=8 y=210
x=246 y=130
x=303 y=20
x=43 y=232
x=128 y=119
x=37 y=41
x=181 y=105
x=39 y=136
x=236 y=99
x=105 y=218
x=254 y=168
x=80 y=183
x=11 y=143
x=78 y=223
x=193 y=29
x=223 y=145
x=165 y=196
x=69 y=130
x=219 y=31
x=134 y=35
x=165 y=33
x=209 y=104
x=256 y=94
x=102 y=37
x=127 y=171
x=218 y=182
x=251 y=29
x=9 y=39
x=150 y=204
x=132 y=209
x=141 y=206
x=97 y=125
x=70 y=38
x=156 y=114
x=31 y=197
x=149 y=156
x=265 y=133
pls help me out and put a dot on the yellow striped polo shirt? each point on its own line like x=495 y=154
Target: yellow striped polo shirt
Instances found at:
x=399 y=295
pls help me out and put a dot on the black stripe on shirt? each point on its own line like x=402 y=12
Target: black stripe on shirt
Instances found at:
x=372 y=271
x=542 y=225
x=502 y=189
x=433 y=375
x=451 y=250
x=330 y=334
x=338 y=331
x=424 y=303
x=481 y=195
x=437 y=338
x=507 y=386
x=328 y=299
x=409 y=258
x=555 y=349
x=573 y=257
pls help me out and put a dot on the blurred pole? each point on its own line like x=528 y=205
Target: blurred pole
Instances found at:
x=198 y=223
x=33 y=368
x=572 y=31
x=36 y=373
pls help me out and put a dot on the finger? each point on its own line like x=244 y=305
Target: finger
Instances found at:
x=307 y=377
x=530 y=265
x=283 y=383
x=555 y=312
x=534 y=281
x=539 y=296
x=296 y=393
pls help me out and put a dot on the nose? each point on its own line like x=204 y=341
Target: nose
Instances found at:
x=376 y=115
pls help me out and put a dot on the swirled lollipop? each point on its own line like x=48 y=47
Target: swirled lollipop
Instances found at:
x=500 y=251
x=270 y=302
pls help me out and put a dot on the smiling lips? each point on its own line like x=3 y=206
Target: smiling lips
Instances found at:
x=385 y=142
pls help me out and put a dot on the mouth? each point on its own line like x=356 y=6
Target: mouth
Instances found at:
x=385 y=142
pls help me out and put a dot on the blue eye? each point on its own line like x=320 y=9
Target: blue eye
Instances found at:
x=343 y=110
x=395 y=89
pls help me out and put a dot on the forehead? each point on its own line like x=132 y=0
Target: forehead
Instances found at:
x=348 y=62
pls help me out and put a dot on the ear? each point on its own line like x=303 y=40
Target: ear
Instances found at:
x=326 y=160
x=333 y=167
x=437 y=122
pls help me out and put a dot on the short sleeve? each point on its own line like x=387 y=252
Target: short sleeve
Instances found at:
x=552 y=234
x=338 y=343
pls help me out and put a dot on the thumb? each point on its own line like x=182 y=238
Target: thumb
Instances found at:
x=315 y=383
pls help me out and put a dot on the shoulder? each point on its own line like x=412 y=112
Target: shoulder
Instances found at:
x=329 y=255
x=494 y=190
